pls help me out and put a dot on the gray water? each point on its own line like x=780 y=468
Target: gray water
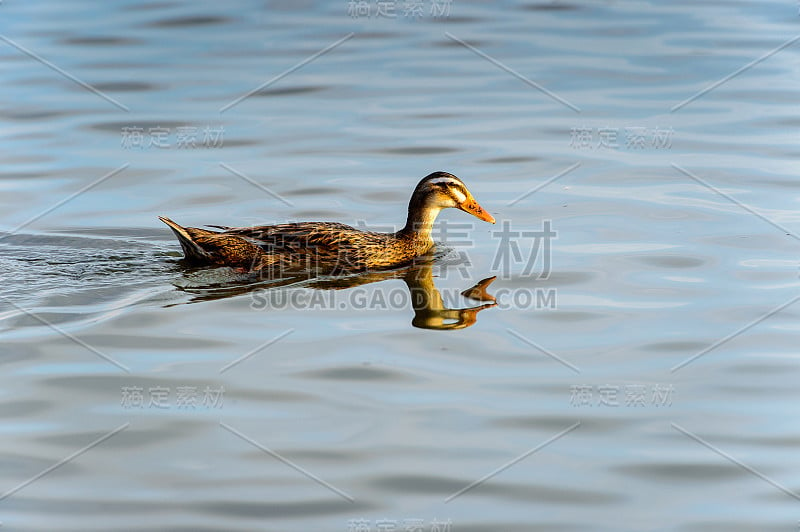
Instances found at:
x=652 y=385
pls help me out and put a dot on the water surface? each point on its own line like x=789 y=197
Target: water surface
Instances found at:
x=677 y=236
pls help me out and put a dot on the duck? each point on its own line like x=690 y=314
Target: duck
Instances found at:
x=332 y=246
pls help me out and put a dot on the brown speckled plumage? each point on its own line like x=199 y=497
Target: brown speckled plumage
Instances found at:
x=330 y=246
x=320 y=244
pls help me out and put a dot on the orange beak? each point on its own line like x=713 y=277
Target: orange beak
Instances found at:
x=471 y=206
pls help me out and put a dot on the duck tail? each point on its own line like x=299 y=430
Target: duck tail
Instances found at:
x=191 y=249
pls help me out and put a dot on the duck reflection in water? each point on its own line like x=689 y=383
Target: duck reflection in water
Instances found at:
x=430 y=310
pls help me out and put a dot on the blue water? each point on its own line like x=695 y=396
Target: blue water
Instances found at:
x=651 y=386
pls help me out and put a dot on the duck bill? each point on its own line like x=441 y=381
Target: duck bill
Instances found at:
x=471 y=206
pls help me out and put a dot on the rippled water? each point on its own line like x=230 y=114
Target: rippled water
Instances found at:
x=659 y=139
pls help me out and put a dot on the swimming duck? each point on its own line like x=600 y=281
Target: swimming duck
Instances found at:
x=330 y=245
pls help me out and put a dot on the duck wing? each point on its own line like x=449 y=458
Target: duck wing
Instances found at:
x=320 y=243
x=322 y=237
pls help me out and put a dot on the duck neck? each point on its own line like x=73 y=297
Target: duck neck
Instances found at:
x=420 y=223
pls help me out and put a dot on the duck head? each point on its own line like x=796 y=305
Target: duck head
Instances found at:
x=437 y=191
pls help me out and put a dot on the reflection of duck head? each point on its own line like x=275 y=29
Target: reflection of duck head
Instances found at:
x=430 y=311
